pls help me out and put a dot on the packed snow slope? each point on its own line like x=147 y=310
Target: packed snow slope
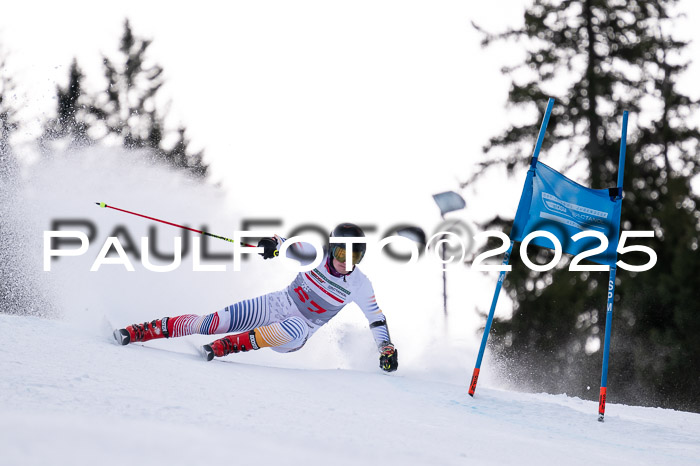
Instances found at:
x=70 y=395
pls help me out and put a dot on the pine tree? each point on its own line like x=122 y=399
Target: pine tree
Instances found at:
x=609 y=56
x=129 y=112
x=73 y=112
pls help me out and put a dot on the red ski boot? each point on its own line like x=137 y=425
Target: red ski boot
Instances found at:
x=143 y=332
x=231 y=344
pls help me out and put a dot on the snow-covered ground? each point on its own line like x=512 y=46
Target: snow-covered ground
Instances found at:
x=70 y=395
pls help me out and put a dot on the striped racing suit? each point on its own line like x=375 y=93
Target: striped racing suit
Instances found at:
x=285 y=319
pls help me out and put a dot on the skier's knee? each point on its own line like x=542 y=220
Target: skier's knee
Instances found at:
x=285 y=336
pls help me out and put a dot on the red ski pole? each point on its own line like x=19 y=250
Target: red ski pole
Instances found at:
x=102 y=204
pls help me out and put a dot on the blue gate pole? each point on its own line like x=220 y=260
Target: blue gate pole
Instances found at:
x=606 y=348
x=506 y=258
x=623 y=149
x=543 y=128
x=489 y=320
x=611 y=282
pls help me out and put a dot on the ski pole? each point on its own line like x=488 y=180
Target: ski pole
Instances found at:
x=103 y=205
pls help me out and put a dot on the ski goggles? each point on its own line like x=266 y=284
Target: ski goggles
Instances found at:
x=340 y=254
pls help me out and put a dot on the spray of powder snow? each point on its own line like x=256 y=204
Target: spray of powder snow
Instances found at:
x=21 y=290
x=67 y=185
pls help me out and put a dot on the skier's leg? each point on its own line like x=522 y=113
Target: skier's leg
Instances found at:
x=241 y=316
x=284 y=336
x=297 y=343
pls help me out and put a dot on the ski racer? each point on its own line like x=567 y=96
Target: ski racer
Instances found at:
x=283 y=320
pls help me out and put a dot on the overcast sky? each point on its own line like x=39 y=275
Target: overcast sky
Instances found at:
x=299 y=90
x=308 y=110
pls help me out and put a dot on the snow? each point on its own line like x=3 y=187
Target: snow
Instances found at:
x=70 y=395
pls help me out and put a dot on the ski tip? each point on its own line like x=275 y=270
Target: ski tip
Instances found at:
x=101 y=204
x=122 y=336
x=208 y=352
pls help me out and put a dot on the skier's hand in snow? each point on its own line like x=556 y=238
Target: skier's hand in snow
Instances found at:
x=388 y=358
x=270 y=246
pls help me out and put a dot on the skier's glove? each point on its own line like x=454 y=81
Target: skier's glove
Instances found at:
x=270 y=246
x=388 y=358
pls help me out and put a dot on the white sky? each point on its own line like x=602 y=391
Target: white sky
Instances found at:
x=296 y=103
x=313 y=111
x=299 y=105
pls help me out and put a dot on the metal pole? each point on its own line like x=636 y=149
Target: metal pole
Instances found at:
x=444 y=280
x=506 y=258
x=489 y=320
x=611 y=283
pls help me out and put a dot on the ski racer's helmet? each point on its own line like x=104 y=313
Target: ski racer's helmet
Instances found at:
x=337 y=250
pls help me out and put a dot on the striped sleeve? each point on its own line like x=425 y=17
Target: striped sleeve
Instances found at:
x=377 y=321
